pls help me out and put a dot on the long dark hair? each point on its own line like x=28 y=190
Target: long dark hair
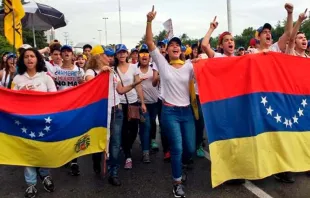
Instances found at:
x=40 y=67
x=116 y=62
x=3 y=63
x=8 y=73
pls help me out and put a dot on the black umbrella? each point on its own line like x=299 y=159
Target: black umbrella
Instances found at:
x=41 y=17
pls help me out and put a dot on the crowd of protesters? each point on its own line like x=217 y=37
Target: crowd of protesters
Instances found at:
x=149 y=82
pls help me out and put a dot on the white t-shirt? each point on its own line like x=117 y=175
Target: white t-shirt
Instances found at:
x=68 y=78
x=50 y=68
x=5 y=79
x=113 y=95
x=128 y=78
x=175 y=82
x=155 y=68
x=203 y=56
x=41 y=81
x=274 y=48
x=219 y=55
x=150 y=93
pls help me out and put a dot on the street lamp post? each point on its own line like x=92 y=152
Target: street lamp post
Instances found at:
x=120 y=20
x=99 y=36
x=229 y=16
x=106 y=31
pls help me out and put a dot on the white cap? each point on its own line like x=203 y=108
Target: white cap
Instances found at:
x=26 y=46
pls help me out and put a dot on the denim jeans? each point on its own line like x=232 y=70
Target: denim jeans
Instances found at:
x=144 y=132
x=199 y=125
x=31 y=174
x=179 y=127
x=115 y=140
x=164 y=140
x=153 y=112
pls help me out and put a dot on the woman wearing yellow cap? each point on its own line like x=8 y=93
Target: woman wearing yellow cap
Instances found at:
x=81 y=61
x=99 y=62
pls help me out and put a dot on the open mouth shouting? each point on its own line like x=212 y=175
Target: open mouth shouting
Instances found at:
x=175 y=52
x=268 y=39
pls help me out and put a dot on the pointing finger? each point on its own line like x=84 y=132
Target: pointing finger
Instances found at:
x=306 y=11
x=153 y=8
x=214 y=19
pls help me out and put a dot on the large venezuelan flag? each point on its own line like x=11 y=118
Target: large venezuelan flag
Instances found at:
x=50 y=129
x=257 y=114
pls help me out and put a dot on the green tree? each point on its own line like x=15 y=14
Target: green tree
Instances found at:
x=160 y=36
x=4 y=45
x=305 y=27
x=243 y=39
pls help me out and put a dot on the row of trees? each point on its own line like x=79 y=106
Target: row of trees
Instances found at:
x=241 y=40
x=27 y=36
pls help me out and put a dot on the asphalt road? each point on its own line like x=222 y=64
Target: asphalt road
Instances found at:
x=148 y=181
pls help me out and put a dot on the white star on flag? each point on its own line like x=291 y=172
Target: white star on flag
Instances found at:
x=278 y=118
x=48 y=120
x=41 y=134
x=32 y=135
x=269 y=110
x=290 y=123
x=24 y=130
x=47 y=128
x=286 y=122
x=300 y=112
x=295 y=119
x=264 y=100
x=17 y=122
x=304 y=103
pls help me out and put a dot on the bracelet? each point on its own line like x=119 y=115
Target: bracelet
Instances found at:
x=149 y=22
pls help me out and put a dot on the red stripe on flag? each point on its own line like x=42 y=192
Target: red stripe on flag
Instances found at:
x=221 y=78
x=34 y=103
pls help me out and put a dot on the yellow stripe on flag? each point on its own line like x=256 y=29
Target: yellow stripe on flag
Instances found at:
x=16 y=150
x=263 y=155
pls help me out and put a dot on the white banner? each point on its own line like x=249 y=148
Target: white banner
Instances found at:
x=169 y=28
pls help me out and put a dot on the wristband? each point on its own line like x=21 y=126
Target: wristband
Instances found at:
x=148 y=22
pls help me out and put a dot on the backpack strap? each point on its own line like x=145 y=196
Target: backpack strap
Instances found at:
x=95 y=72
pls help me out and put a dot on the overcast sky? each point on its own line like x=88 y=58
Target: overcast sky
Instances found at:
x=191 y=17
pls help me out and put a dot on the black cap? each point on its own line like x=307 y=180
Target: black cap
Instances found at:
x=87 y=46
x=175 y=39
x=265 y=26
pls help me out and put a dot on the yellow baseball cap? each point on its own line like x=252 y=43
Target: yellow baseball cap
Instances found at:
x=188 y=51
x=82 y=56
x=98 y=49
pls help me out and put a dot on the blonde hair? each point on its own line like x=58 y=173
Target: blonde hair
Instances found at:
x=94 y=62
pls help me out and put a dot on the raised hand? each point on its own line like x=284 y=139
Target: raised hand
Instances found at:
x=214 y=23
x=303 y=16
x=289 y=7
x=151 y=15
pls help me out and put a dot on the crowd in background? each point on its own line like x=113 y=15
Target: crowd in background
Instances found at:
x=147 y=83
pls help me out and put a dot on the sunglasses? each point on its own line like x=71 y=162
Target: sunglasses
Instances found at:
x=144 y=54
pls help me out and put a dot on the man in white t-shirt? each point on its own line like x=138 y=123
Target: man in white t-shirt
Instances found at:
x=265 y=37
x=68 y=75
